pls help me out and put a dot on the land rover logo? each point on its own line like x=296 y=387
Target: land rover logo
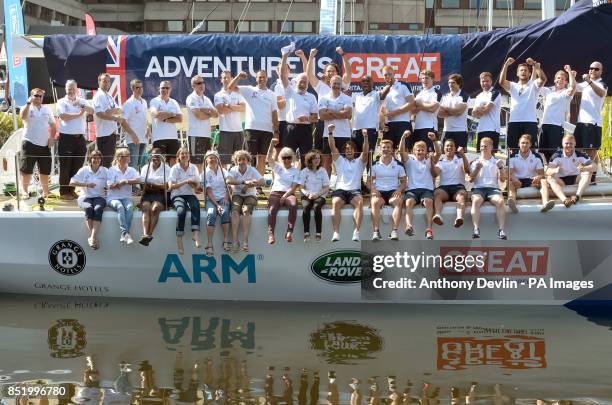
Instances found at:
x=340 y=266
x=344 y=342
x=67 y=258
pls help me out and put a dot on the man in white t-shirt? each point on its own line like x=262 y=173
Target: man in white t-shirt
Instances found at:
x=230 y=104
x=37 y=140
x=588 y=128
x=261 y=124
x=72 y=145
x=335 y=108
x=106 y=117
x=453 y=108
x=399 y=103
x=426 y=104
x=487 y=109
x=523 y=99
x=165 y=114
x=366 y=105
x=134 y=112
x=200 y=110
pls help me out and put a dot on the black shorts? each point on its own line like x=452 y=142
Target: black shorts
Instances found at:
x=198 y=146
x=517 y=129
x=525 y=182
x=395 y=132
x=346 y=195
x=486 y=192
x=421 y=135
x=229 y=142
x=257 y=141
x=32 y=154
x=386 y=195
x=488 y=134
x=569 y=180
x=169 y=147
x=357 y=137
x=340 y=142
x=282 y=134
x=550 y=139
x=451 y=189
x=318 y=135
x=460 y=137
x=153 y=196
x=588 y=136
x=419 y=194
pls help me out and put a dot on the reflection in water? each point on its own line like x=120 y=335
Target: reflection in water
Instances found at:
x=232 y=354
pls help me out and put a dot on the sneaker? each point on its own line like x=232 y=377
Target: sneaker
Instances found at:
x=458 y=222
x=437 y=219
x=122 y=238
x=512 y=205
x=356 y=235
x=429 y=233
x=128 y=239
x=335 y=237
x=409 y=231
x=376 y=236
x=501 y=235
x=548 y=206
x=476 y=233
x=394 y=235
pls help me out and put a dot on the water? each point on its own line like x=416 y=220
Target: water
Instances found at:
x=280 y=354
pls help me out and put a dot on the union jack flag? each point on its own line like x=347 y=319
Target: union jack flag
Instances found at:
x=115 y=67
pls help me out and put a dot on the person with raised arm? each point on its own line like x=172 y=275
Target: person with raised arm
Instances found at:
x=388 y=183
x=217 y=201
x=261 y=123
x=451 y=169
x=349 y=174
x=487 y=109
x=367 y=105
x=523 y=99
x=419 y=167
x=314 y=183
x=399 y=104
x=121 y=178
x=486 y=172
x=200 y=111
x=154 y=193
x=230 y=104
x=165 y=113
x=453 y=108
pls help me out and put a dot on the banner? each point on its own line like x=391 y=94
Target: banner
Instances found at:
x=328 y=17
x=17 y=71
x=90 y=24
x=152 y=58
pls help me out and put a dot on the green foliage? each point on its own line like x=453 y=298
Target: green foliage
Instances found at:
x=6 y=126
x=606 y=140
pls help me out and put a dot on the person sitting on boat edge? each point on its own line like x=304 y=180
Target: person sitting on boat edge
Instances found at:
x=155 y=193
x=349 y=173
x=574 y=167
x=93 y=179
x=244 y=179
x=121 y=178
x=217 y=200
x=419 y=168
x=486 y=172
x=527 y=170
x=284 y=186
x=183 y=181
x=314 y=183
x=451 y=169
x=387 y=182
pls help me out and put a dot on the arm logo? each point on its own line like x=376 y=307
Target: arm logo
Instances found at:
x=67 y=258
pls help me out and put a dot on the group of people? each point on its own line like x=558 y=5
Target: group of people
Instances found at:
x=289 y=127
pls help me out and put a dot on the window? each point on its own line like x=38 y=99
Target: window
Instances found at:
x=46 y=14
x=429 y=3
x=449 y=3
x=350 y=27
x=31 y=9
x=216 y=26
x=74 y=21
x=533 y=4
x=260 y=26
x=562 y=4
x=156 y=26
x=393 y=27
x=373 y=26
x=503 y=4
x=297 y=26
x=449 y=30
x=474 y=4
x=176 y=26
x=255 y=1
x=414 y=27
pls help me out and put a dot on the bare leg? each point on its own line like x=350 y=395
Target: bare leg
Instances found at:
x=429 y=210
x=95 y=227
x=461 y=198
x=195 y=236
x=477 y=201
x=179 y=245
x=226 y=232
x=210 y=232
x=544 y=191
x=556 y=185
x=396 y=215
x=261 y=164
x=235 y=218
x=155 y=211
x=25 y=182
x=410 y=203
x=440 y=197
x=357 y=203
x=500 y=210
x=337 y=204
x=377 y=204
x=44 y=182
x=583 y=183
x=246 y=227
x=146 y=218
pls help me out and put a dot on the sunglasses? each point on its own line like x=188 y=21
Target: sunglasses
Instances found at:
x=594 y=68
x=38 y=95
x=137 y=87
x=165 y=88
x=198 y=83
x=287 y=157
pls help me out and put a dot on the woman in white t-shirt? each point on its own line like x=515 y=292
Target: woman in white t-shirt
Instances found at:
x=93 y=179
x=451 y=168
x=121 y=178
x=217 y=200
x=183 y=181
x=155 y=196
x=315 y=186
x=286 y=179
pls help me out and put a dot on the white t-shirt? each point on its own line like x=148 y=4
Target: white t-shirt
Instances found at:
x=215 y=181
x=313 y=182
x=156 y=177
x=299 y=105
x=279 y=90
x=135 y=112
x=102 y=101
x=387 y=176
x=451 y=171
x=397 y=98
x=177 y=175
x=250 y=174
x=523 y=101
x=231 y=122
x=455 y=123
x=488 y=174
x=259 y=107
x=568 y=165
x=160 y=129
x=366 y=109
x=591 y=104
x=74 y=126
x=419 y=173
x=114 y=176
x=343 y=126
x=322 y=89
x=349 y=173
x=525 y=168
x=284 y=178
x=36 y=126
x=490 y=122
x=556 y=105
x=198 y=127
x=425 y=119
x=86 y=175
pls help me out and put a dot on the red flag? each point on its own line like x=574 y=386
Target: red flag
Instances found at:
x=90 y=24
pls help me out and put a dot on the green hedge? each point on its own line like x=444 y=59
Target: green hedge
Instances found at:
x=6 y=126
x=606 y=141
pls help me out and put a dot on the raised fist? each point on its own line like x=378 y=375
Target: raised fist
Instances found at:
x=299 y=53
x=530 y=61
x=460 y=151
x=275 y=141
x=567 y=68
x=330 y=128
x=313 y=52
x=407 y=134
x=243 y=75
x=509 y=61
x=585 y=77
x=339 y=51
x=431 y=135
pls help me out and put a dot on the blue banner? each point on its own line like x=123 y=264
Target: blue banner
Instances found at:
x=17 y=71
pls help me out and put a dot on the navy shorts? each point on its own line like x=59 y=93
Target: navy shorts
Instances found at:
x=588 y=136
x=525 y=182
x=418 y=194
x=569 y=180
x=346 y=195
x=486 y=192
x=452 y=189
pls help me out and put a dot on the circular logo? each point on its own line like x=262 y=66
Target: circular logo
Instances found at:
x=67 y=258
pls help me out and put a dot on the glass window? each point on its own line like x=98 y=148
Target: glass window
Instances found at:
x=503 y=4
x=414 y=27
x=562 y=4
x=298 y=26
x=373 y=26
x=449 y=3
x=175 y=26
x=156 y=26
x=449 y=30
x=260 y=26
x=429 y=3
x=474 y=4
x=216 y=26
x=393 y=27
x=533 y=4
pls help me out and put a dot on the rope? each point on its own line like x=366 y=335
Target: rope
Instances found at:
x=285 y=20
